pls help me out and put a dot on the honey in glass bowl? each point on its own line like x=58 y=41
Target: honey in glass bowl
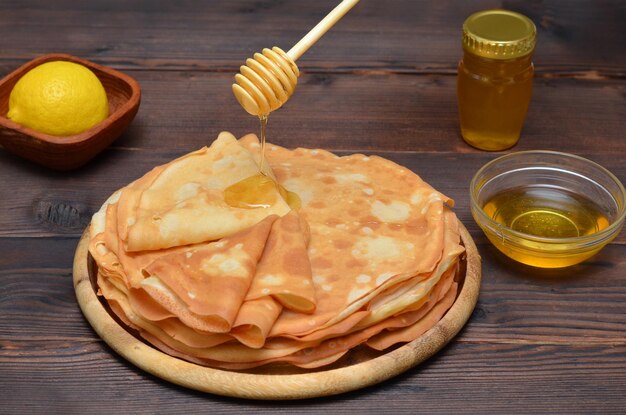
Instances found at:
x=547 y=209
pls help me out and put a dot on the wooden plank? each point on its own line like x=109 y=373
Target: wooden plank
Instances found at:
x=57 y=204
x=381 y=81
x=185 y=111
x=583 y=304
x=359 y=113
x=406 y=36
x=83 y=377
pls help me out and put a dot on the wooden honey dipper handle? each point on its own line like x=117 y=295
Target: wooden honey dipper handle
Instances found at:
x=267 y=81
x=322 y=27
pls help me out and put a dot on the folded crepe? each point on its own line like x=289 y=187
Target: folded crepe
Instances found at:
x=370 y=256
x=183 y=202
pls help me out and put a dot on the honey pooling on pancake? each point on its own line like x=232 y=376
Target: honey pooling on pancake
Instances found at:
x=258 y=192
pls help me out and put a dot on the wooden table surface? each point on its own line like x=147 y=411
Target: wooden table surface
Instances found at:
x=382 y=81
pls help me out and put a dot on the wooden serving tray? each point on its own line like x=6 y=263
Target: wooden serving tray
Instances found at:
x=358 y=369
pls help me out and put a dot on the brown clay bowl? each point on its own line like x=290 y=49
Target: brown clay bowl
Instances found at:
x=70 y=152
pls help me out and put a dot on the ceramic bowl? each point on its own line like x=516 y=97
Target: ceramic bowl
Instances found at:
x=70 y=152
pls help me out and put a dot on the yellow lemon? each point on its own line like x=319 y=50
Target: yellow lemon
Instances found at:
x=58 y=98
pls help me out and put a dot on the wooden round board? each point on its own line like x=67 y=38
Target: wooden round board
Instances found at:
x=358 y=370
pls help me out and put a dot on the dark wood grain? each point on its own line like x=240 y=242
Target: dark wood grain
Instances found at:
x=47 y=345
x=370 y=113
x=53 y=204
x=381 y=82
x=84 y=378
x=579 y=305
x=405 y=36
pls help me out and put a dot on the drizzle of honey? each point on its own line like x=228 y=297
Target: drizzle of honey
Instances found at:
x=292 y=199
x=549 y=213
x=263 y=120
x=259 y=191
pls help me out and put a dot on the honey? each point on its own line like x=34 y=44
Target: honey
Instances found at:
x=258 y=191
x=494 y=84
x=493 y=100
x=263 y=121
x=544 y=212
x=251 y=193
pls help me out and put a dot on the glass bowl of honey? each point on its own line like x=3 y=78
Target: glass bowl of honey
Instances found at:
x=547 y=209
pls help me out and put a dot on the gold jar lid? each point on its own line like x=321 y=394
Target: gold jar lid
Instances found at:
x=499 y=34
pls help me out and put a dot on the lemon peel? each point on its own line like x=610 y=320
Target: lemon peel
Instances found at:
x=58 y=98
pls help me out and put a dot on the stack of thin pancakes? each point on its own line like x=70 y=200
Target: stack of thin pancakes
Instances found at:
x=370 y=257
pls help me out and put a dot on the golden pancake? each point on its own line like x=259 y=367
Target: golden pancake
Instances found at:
x=184 y=203
x=255 y=320
x=284 y=270
x=389 y=338
x=226 y=267
x=359 y=206
x=369 y=256
x=328 y=351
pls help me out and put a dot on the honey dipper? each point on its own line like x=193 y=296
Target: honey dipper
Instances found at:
x=267 y=81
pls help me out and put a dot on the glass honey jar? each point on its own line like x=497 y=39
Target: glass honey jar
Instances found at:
x=495 y=78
